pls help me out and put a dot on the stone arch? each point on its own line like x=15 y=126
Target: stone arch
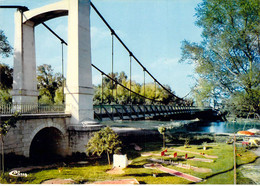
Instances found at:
x=47 y=142
x=42 y=126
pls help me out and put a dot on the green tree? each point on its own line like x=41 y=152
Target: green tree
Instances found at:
x=228 y=57
x=105 y=140
x=6 y=73
x=6 y=83
x=162 y=131
x=6 y=77
x=5 y=47
x=5 y=126
x=112 y=93
x=48 y=83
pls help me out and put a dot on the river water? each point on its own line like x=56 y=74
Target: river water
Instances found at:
x=207 y=127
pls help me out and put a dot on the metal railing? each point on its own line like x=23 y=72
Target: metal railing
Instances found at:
x=113 y=112
x=30 y=108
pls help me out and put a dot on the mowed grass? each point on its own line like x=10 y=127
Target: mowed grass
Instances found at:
x=222 y=167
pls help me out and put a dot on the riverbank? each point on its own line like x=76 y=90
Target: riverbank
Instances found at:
x=252 y=170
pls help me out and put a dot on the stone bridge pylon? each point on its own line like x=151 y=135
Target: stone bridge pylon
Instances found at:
x=78 y=89
x=62 y=134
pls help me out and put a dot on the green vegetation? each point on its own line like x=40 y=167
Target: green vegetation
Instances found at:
x=6 y=73
x=109 y=92
x=227 y=60
x=222 y=167
x=49 y=85
x=5 y=126
x=105 y=140
x=162 y=131
x=6 y=81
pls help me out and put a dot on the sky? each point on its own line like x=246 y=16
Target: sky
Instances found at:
x=152 y=29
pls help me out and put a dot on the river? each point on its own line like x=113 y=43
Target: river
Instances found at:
x=207 y=127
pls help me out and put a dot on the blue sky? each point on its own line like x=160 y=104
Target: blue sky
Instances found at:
x=151 y=29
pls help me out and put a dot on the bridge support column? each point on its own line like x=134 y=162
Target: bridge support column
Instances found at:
x=79 y=91
x=24 y=79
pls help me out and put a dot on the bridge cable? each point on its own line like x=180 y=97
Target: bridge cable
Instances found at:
x=102 y=71
x=102 y=91
x=130 y=63
x=62 y=41
x=124 y=86
x=62 y=70
x=154 y=89
x=144 y=82
x=130 y=53
x=24 y=8
x=112 y=61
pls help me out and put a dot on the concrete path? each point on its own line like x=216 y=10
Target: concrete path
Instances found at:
x=173 y=172
x=125 y=181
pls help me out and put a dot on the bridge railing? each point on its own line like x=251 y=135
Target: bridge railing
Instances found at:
x=31 y=108
x=113 y=112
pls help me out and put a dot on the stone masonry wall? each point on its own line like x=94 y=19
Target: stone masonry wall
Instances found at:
x=19 y=139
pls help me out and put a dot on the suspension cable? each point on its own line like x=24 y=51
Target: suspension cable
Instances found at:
x=144 y=82
x=62 y=70
x=112 y=65
x=130 y=66
x=124 y=86
x=130 y=53
x=102 y=91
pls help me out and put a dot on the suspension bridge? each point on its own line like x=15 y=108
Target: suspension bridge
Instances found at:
x=69 y=126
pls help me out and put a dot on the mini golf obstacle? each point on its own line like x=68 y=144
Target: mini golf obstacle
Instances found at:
x=181 y=165
x=173 y=172
x=182 y=157
x=198 y=153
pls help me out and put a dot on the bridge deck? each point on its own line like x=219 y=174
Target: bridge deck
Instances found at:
x=130 y=112
x=101 y=112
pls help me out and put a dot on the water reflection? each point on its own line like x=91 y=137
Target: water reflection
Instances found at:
x=208 y=127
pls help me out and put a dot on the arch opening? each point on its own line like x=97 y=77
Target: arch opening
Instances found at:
x=47 y=145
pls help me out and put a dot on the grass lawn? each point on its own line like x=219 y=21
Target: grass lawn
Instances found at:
x=222 y=167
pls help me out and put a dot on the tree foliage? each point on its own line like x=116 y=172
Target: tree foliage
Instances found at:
x=6 y=73
x=48 y=84
x=228 y=59
x=6 y=77
x=5 y=47
x=105 y=140
x=162 y=131
x=112 y=93
x=6 y=83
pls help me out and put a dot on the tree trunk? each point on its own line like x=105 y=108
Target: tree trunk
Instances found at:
x=3 y=167
x=108 y=158
x=163 y=141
